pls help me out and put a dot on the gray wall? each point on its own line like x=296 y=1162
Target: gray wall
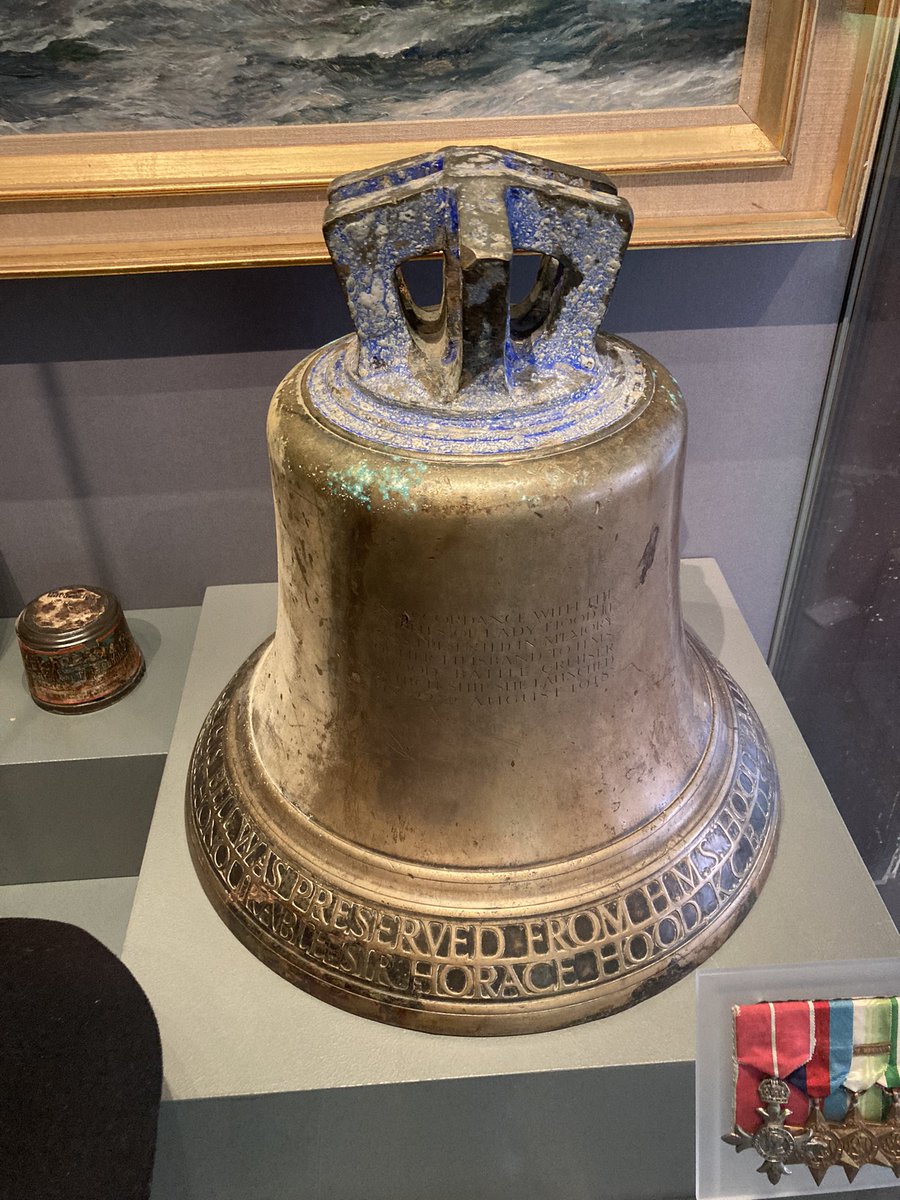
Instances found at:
x=132 y=451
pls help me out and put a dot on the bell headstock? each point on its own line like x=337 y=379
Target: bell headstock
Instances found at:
x=477 y=207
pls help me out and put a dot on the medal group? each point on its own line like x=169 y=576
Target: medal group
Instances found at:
x=817 y=1084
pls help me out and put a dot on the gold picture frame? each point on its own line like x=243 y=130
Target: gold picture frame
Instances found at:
x=788 y=162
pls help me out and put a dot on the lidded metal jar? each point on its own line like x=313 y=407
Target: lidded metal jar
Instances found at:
x=482 y=780
x=78 y=651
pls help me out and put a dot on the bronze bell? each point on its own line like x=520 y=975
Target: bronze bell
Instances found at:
x=482 y=780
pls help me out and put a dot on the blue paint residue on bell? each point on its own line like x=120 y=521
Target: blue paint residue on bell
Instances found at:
x=474 y=376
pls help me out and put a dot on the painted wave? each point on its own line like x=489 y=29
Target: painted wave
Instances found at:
x=104 y=65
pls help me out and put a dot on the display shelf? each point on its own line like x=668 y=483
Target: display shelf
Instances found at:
x=101 y=906
x=77 y=791
x=271 y=1092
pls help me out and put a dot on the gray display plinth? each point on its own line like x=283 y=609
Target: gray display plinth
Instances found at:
x=99 y=906
x=77 y=790
x=273 y=1094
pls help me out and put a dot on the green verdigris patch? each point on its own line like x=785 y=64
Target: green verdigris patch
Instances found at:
x=390 y=481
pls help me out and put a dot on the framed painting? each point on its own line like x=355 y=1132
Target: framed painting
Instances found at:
x=172 y=134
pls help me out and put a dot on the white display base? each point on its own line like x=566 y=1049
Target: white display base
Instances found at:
x=562 y=1113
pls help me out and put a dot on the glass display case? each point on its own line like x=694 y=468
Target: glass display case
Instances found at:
x=598 y=837
x=836 y=653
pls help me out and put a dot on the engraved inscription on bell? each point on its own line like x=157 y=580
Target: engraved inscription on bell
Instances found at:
x=512 y=657
x=482 y=780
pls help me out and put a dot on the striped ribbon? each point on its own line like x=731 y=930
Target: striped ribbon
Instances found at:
x=873 y=1103
x=822 y=1076
x=871 y=1043
x=775 y=1038
x=828 y=1067
x=820 y=1048
x=890 y=1077
x=840 y=1055
x=771 y=1040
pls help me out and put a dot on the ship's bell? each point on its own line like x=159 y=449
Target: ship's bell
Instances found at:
x=482 y=780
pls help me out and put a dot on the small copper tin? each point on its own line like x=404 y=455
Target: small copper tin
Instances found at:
x=78 y=651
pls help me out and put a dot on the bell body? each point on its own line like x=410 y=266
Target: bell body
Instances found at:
x=465 y=650
x=481 y=780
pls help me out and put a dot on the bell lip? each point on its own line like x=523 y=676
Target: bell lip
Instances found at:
x=484 y=1017
x=514 y=1020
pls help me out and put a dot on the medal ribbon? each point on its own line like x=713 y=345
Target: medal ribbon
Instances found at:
x=771 y=1039
x=872 y=1020
x=775 y=1038
x=890 y=1077
x=815 y=1077
x=823 y=1075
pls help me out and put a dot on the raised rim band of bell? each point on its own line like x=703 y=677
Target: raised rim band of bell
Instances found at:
x=481 y=780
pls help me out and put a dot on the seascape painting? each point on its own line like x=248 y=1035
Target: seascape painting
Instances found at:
x=78 y=66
